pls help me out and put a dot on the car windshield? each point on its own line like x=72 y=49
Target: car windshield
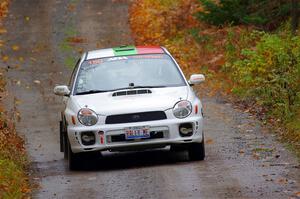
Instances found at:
x=136 y=71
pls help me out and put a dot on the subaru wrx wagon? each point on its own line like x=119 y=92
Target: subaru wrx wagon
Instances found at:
x=130 y=98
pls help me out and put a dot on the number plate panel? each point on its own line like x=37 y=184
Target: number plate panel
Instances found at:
x=137 y=133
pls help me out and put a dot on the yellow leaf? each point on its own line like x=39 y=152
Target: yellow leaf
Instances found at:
x=1 y=43
x=27 y=18
x=18 y=102
x=15 y=47
x=21 y=59
x=5 y=58
x=3 y=30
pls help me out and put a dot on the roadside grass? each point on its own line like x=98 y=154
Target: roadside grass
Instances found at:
x=14 y=182
x=258 y=71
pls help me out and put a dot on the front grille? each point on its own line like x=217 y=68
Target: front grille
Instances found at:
x=121 y=137
x=135 y=117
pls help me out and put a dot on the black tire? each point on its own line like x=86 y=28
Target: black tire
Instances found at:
x=177 y=148
x=92 y=155
x=64 y=138
x=61 y=136
x=66 y=146
x=196 y=151
x=73 y=158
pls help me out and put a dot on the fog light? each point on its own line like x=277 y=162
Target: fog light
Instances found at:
x=88 y=138
x=186 y=129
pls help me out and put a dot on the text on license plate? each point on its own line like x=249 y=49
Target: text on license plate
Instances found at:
x=137 y=133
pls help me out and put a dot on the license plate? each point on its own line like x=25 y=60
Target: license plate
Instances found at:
x=137 y=133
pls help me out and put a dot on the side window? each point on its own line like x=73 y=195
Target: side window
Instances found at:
x=71 y=82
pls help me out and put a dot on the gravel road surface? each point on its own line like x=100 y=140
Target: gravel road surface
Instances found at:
x=244 y=160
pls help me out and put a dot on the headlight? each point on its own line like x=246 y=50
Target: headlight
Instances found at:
x=182 y=109
x=87 y=117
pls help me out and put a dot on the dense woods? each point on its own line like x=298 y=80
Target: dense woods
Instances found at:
x=265 y=14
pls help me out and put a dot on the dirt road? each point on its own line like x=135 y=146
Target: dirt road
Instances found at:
x=243 y=159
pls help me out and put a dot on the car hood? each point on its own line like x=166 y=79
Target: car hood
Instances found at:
x=159 y=99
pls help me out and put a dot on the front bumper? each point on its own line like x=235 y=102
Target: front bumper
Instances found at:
x=168 y=130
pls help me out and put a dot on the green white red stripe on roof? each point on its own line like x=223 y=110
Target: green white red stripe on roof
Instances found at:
x=124 y=51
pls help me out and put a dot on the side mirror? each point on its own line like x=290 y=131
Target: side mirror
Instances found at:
x=196 y=79
x=62 y=90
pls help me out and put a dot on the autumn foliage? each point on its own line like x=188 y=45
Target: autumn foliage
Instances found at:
x=197 y=46
x=13 y=178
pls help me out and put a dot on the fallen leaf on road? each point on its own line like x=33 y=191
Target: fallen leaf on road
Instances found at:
x=71 y=7
x=256 y=156
x=3 y=30
x=1 y=43
x=282 y=181
x=5 y=58
x=37 y=81
x=241 y=151
x=21 y=59
x=15 y=47
x=75 y=40
x=18 y=102
x=209 y=141
x=27 y=18
x=32 y=59
x=297 y=194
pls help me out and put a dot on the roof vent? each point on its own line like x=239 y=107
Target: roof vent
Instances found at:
x=132 y=92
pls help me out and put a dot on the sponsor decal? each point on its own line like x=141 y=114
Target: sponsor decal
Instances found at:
x=95 y=61
x=116 y=59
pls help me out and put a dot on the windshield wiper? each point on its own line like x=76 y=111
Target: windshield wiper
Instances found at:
x=92 y=92
x=134 y=87
x=103 y=91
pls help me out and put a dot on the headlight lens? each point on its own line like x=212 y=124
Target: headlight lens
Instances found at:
x=182 y=109
x=87 y=117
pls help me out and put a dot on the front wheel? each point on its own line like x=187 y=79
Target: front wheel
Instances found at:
x=65 y=145
x=73 y=158
x=197 y=151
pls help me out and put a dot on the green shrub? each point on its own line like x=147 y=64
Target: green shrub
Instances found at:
x=265 y=13
x=270 y=74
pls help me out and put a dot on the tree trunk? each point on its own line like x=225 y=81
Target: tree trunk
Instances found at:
x=295 y=16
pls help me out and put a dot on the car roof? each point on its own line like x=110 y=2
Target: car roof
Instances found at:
x=124 y=51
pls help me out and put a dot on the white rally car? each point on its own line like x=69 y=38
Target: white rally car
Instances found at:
x=130 y=98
